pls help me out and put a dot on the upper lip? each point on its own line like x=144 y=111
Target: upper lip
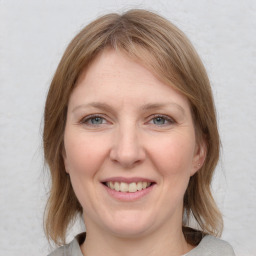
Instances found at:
x=128 y=180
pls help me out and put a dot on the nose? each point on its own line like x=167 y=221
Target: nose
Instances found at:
x=127 y=149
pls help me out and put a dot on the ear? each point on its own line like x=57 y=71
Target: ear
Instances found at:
x=199 y=156
x=65 y=160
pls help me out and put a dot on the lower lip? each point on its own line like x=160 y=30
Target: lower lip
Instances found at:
x=126 y=196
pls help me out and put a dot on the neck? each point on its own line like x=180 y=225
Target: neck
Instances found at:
x=171 y=244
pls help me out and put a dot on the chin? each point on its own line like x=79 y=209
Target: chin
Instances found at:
x=130 y=225
x=130 y=231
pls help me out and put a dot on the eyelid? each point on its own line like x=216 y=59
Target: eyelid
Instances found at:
x=85 y=119
x=171 y=120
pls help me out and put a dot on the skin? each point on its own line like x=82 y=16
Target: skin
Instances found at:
x=123 y=122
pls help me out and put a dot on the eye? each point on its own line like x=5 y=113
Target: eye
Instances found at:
x=159 y=120
x=162 y=120
x=93 y=120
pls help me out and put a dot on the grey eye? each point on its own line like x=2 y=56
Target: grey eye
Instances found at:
x=159 y=120
x=96 y=120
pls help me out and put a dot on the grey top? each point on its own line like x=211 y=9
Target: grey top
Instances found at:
x=209 y=246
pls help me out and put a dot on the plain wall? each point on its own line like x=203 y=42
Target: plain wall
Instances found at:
x=33 y=36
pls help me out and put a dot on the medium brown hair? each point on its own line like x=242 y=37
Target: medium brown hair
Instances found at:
x=162 y=48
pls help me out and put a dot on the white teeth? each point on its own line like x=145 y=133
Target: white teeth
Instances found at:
x=116 y=186
x=132 y=187
x=125 y=187
x=139 y=186
x=111 y=185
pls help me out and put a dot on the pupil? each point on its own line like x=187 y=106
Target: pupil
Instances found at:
x=97 y=120
x=159 y=120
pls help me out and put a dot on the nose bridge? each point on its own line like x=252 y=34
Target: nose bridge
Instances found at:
x=127 y=148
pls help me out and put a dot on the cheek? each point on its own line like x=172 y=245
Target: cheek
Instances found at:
x=174 y=156
x=173 y=159
x=84 y=154
x=84 y=158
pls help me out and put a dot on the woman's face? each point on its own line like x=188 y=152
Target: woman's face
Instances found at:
x=130 y=148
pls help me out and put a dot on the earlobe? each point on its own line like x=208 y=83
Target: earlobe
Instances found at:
x=199 y=158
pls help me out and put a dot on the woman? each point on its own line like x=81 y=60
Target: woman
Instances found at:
x=131 y=141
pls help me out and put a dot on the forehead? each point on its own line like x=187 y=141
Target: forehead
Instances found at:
x=114 y=76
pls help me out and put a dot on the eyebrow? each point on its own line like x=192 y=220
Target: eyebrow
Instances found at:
x=98 y=105
x=149 y=106
x=162 y=105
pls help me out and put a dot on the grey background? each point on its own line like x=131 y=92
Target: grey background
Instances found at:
x=33 y=36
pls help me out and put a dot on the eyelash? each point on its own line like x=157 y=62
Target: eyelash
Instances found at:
x=165 y=118
x=87 y=119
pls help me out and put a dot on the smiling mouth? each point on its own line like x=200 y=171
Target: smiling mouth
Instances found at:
x=128 y=187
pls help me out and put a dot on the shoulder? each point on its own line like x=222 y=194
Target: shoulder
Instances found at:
x=71 y=249
x=212 y=246
x=59 y=251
